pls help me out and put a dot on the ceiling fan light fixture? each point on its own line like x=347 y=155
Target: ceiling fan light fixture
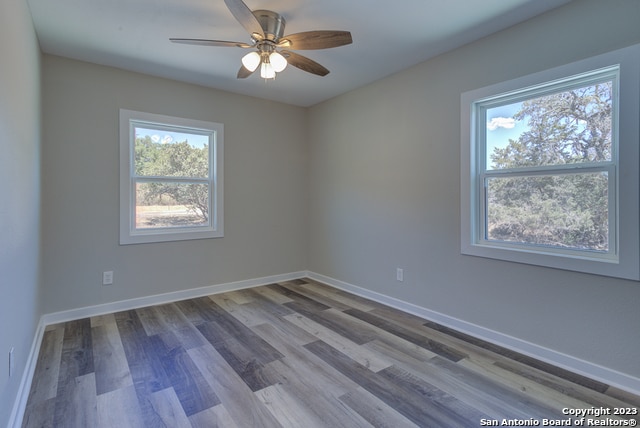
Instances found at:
x=267 y=71
x=251 y=61
x=278 y=62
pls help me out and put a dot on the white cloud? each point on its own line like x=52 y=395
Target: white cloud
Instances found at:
x=167 y=139
x=501 y=122
x=155 y=138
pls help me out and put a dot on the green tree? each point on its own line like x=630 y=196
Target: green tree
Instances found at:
x=565 y=210
x=174 y=160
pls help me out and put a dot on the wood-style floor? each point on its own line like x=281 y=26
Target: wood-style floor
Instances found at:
x=293 y=354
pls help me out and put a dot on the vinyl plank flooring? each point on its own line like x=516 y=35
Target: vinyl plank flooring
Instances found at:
x=227 y=328
x=305 y=369
x=408 y=335
x=353 y=301
x=238 y=399
x=246 y=353
x=169 y=409
x=144 y=363
x=338 y=322
x=239 y=297
x=396 y=315
x=353 y=350
x=252 y=312
x=394 y=390
x=294 y=333
x=193 y=392
x=77 y=349
x=149 y=319
x=79 y=408
x=40 y=414
x=321 y=405
x=374 y=410
x=301 y=300
x=266 y=294
x=119 y=408
x=623 y=396
x=287 y=409
x=76 y=365
x=295 y=353
x=451 y=410
x=145 y=366
x=311 y=293
x=557 y=371
x=215 y=417
x=45 y=377
x=250 y=367
x=551 y=395
x=111 y=368
x=488 y=397
x=105 y=319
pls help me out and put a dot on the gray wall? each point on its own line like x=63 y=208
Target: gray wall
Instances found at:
x=20 y=200
x=265 y=188
x=385 y=180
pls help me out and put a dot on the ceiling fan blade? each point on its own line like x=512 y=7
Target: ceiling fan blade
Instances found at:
x=322 y=39
x=206 y=42
x=304 y=63
x=244 y=72
x=245 y=17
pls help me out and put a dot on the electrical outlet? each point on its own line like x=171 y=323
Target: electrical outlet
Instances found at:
x=11 y=362
x=107 y=277
x=399 y=274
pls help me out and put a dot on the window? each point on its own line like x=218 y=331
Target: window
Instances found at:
x=550 y=168
x=170 y=178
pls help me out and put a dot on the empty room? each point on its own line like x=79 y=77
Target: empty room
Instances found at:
x=296 y=213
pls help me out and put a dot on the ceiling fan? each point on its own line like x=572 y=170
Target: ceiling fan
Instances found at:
x=272 y=49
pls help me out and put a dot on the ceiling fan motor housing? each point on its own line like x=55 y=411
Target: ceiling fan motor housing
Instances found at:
x=272 y=23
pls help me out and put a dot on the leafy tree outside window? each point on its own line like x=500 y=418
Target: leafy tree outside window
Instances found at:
x=550 y=167
x=171 y=178
x=161 y=201
x=548 y=172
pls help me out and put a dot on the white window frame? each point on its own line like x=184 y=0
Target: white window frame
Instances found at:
x=129 y=119
x=623 y=258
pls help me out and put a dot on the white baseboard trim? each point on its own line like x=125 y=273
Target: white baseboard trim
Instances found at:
x=559 y=359
x=158 y=299
x=17 y=414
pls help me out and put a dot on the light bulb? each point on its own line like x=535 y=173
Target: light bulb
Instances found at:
x=251 y=61
x=267 y=71
x=278 y=62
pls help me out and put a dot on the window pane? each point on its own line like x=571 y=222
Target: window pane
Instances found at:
x=566 y=211
x=170 y=204
x=166 y=153
x=567 y=127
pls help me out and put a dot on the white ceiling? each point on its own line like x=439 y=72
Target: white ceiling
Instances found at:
x=387 y=37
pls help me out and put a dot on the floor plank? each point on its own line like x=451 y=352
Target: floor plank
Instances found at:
x=374 y=410
x=45 y=377
x=295 y=353
x=128 y=414
x=240 y=402
x=215 y=417
x=394 y=390
x=111 y=368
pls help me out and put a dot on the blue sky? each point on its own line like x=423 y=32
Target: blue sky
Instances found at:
x=501 y=127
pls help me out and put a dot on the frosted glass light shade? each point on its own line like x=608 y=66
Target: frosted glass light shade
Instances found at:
x=278 y=62
x=251 y=61
x=267 y=71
